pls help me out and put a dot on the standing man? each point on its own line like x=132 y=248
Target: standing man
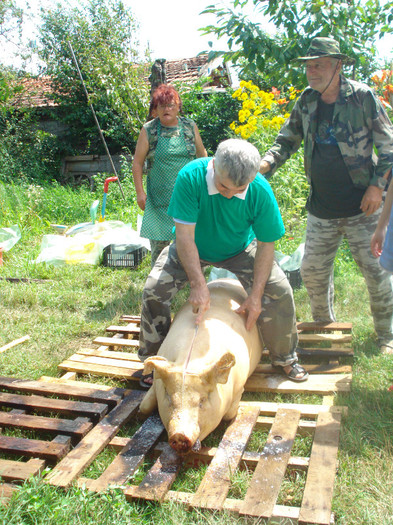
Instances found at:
x=225 y=214
x=341 y=122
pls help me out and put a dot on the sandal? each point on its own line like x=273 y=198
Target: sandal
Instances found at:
x=296 y=369
x=146 y=381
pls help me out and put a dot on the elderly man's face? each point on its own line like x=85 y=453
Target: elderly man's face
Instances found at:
x=226 y=187
x=320 y=72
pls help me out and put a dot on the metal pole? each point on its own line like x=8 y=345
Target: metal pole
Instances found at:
x=95 y=118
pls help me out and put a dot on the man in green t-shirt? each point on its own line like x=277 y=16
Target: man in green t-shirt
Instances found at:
x=225 y=215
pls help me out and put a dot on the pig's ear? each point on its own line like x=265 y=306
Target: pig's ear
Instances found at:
x=157 y=363
x=223 y=367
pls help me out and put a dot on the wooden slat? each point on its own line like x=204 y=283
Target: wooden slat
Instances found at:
x=318 y=327
x=323 y=338
x=60 y=406
x=94 y=442
x=341 y=351
x=216 y=483
x=103 y=370
x=266 y=481
x=55 y=386
x=160 y=477
x=132 y=455
x=323 y=368
x=6 y=491
x=131 y=319
x=76 y=429
x=33 y=448
x=116 y=341
x=105 y=361
x=318 y=492
x=316 y=384
x=109 y=354
x=125 y=330
x=19 y=470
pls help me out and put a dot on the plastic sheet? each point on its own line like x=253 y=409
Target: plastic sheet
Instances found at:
x=9 y=237
x=84 y=243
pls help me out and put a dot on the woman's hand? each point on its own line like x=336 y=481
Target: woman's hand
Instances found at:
x=141 y=200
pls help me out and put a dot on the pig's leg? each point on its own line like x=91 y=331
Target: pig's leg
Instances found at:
x=232 y=412
x=149 y=402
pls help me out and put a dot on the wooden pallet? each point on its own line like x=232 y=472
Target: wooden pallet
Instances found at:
x=327 y=343
x=268 y=469
x=51 y=417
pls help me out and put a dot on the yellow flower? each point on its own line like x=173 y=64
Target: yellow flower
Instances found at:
x=237 y=93
x=232 y=126
x=242 y=83
x=244 y=96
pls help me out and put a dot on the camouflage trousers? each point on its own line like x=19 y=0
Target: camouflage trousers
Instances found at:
x=323 y=237
x=156 y=249
x=277 y=322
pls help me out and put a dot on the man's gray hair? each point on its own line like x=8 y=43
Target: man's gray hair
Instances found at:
x=238 y=160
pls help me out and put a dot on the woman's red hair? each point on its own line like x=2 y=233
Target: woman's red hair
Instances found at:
x=164 y=95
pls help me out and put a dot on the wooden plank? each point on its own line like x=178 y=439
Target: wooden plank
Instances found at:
x=116 y=341
x=323 y=338
x=61 y=406
x=132 y=455
x=19 y=470
x=14 y=343
x=33 y=448
x=76 y=429
x=266 y=481
x=318 y=492
x=124 y=330
x=6 y=491
x=103 y=370
x=58 y=387
x=315 y=384
x=216 y=482
x=160 y=477
x=94 y=442
x=322 y=368
x=105 y=361
x=268 y=408
x=315 y=327
x=131 y=319
x=325 y=352
x=109 y=354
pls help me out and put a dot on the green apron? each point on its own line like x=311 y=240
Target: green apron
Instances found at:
x=171 y=155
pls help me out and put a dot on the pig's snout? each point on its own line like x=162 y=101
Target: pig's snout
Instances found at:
x=181 y=443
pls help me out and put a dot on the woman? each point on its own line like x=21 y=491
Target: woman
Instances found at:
x=168 y=143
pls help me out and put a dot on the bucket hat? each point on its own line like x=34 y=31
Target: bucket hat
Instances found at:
x=322 y=46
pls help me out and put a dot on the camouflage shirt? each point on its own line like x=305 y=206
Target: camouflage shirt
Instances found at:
x=152 y=130
x=360 y=123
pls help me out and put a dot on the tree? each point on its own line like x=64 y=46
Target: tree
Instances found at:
x=355 y=24
x=102 y=35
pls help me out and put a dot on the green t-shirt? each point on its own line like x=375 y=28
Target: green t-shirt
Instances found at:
x=224 y=227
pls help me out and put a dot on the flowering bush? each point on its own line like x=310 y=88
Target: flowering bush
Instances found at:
x=260 y=109
x=384 y=86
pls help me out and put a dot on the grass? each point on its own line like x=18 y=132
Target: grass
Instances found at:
x=63 y=308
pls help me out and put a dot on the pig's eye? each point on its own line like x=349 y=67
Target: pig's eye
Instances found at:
x=202 y=402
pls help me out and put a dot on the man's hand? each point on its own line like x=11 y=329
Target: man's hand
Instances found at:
x=371 y=200
x=252 y=308
x=200 y=301
x=264 y=167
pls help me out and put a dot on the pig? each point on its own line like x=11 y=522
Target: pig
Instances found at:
x=195 y=391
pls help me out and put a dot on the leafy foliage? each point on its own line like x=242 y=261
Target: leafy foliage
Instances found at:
x=354 y=24
x=212 y=113
x=102 y=35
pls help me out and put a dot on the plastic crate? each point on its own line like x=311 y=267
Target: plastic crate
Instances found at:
x=294 y=278
x=123 y=256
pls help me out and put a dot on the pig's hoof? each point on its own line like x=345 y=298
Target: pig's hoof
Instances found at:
x=180 y=443
x=146 y=381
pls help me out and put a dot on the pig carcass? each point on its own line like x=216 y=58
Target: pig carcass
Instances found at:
x=199 y=375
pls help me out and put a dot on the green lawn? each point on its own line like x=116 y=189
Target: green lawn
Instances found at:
x=63 y=308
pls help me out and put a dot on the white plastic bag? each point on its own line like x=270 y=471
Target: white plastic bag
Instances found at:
x=291 y=263
x=9 y=237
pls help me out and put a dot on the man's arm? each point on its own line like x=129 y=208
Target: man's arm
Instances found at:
x=378 y=238
x=189 y=257
x=262 y=267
